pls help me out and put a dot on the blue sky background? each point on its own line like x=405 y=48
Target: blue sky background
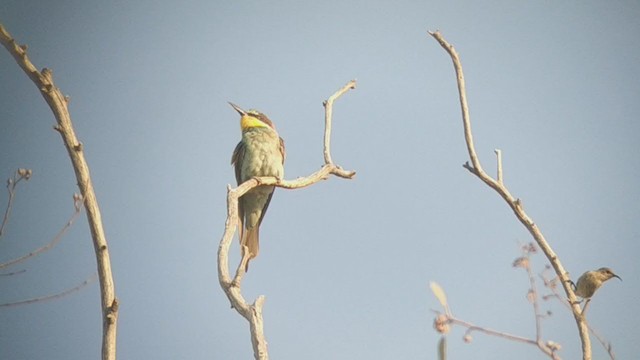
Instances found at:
x=344 y=265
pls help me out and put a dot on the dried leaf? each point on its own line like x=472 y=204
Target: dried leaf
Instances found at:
x=439 y=293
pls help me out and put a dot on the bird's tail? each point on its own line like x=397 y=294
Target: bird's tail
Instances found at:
x=250 y=240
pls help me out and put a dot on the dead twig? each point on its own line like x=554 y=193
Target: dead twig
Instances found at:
x=53 y=296
x=12 y=183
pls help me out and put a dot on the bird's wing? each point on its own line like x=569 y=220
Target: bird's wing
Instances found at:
x=266 y=205
x=282 y=151
x=236 y=160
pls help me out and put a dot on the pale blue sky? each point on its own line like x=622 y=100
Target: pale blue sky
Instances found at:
x=344 y=265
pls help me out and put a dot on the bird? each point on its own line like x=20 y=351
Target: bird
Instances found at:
x=260 y=152
x=590 y=281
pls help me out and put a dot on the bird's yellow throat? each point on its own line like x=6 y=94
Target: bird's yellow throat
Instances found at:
x=247 y=121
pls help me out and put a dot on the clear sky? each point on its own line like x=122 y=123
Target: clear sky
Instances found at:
x=344 y=265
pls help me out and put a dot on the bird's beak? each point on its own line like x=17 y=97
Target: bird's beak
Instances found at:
x=619 y=278
x=237 y=108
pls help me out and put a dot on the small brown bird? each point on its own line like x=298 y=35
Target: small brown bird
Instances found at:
x=259 y=153
x=591 y=281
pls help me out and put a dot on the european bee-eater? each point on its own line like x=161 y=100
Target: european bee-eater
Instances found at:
x=259 y=153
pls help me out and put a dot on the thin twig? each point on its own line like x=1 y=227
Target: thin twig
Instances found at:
x=64 y=293
x=472 y=327
x=499 y=160
x=55 y=240
x=533 y=291
x=514 y=203
x=58 y=104
x=12 y=183
x=21 y=271
x=232 y=288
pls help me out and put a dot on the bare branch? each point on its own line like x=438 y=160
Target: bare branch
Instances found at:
x=514 y=203
x=54 y=296
x=77 y=199
x=499 y=160
x=14 y=272
x=232 y=288
x=328 y=108
x=58 y=104
x=12 y=183
x=549 y=349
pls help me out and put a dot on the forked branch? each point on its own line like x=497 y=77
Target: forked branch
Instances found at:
x=58 y=104
x=12 y=183
x=232 y=288
x=77 y=203
x=515 y=204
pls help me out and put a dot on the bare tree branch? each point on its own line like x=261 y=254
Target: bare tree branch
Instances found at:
x=12 y=183
x=444 y=319
x=14 y=272
x=515 y=204
x=328 y=114
x=499 y=160
x=58 y=104
x=54 y=296
x=232 y=288
x=77 y=202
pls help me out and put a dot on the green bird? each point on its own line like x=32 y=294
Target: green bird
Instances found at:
x=259 y=153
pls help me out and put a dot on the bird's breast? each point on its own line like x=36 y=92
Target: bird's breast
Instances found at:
x=262 y=156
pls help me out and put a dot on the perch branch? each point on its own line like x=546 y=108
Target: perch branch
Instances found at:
x=514 y=203
x=58 y=104
x=232 y=288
